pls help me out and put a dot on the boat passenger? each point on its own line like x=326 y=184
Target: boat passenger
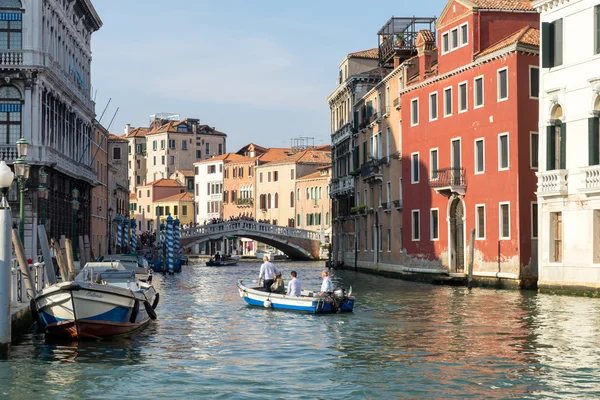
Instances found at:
x=327 y=285
x=294 y=287
x=278 y=286
x=267 y=273
x=218 y=256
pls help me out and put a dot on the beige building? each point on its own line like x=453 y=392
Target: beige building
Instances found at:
x=276 y=185
x=179 y=206
x=185 y=178
x=313 y=206
x=136 y=155
x=118 y=186
x=144 y=210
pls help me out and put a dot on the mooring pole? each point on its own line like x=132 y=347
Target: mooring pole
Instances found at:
x=471 y=256
x=5 y=275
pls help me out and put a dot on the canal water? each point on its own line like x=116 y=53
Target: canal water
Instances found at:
x=404 y=340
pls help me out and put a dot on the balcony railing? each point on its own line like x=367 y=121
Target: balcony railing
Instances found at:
x=386 y=206
x=373 y=118
x=363 y=124
x=8 y=153
x=591 y=179
x=449 y=180
x=245 y=201
x=552 y=183
x=371 y=170
x=11 y=57
x=398 y=204
x=397 y=102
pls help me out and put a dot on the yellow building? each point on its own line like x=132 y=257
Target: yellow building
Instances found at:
x=177 y=206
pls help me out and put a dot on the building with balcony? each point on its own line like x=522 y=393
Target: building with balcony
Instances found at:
x=470 y=134
x=568 y=184
x=118 y=186
x=45 y=98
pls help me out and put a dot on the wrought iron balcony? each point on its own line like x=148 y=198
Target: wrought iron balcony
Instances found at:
x=446 y=181
x=373 y=118
x=363 y=124
x=552 y=183
x=371 y=170
x=244 y=201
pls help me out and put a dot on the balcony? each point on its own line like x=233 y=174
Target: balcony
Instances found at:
x=398 y=36
x=374 y=117
x=343 y=186
x=363 y=125
x=342 y=134
x=244 y=202
x=591 y=180
x=8 y=153
x=397 y=103
x=11 y=58
x=387 y=207
x=371 y=171
x=552 y=183
x=446 y=181
x=398 y=204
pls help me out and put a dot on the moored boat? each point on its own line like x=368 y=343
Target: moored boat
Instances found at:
x=221 y=263
x=131 y=262
x=104 y=299
x=307 y=302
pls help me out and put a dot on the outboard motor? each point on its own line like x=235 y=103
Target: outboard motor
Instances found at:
x=339 y=295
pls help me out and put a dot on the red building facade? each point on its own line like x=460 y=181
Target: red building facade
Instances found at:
x=469 y=127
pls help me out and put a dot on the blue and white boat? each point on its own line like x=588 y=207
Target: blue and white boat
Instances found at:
x=104 y=299
x=339 y=301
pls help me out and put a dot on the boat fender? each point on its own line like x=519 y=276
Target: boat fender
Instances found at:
x=149 y=309
x=34 y=311
x=134 y=311
x=155 y=302
x=72 y=286
x=268 y=303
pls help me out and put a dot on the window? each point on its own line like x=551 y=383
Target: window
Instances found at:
x=175 y=210
x=260 y=177
x=414 y=168
x=416 y=225
x=552 y=43
x=556 y=237
x=276 y=201
x=464 y=35
x=292 y=174
x=171 y=143
x=435 y=223
x=433 y=164
x=433 y=106
x=447 y=102
x=479 y=156
x=480 y=221
x=534 y=82
x=462 y=97
x=198 y=154
x=454 y=38
x=10 y=26
x=503 y=84
x=162 y=158
x=389 y=240
x=504 y=221
x=162 y=144
x=10 y=114
x=269 y=176
x=116 y=153
x=171 y=160
x=207 y=149
x=556 y=146
x=220 y=151
x=275 y=176
x=445 y=43
x=414 y=114
x=154 y=145
x=502 y=151
x=597 y=29
x=534 y=220
x=533 y=150
x=291 y=199
x=184 y=145
x=298 y=220
x=478 y=92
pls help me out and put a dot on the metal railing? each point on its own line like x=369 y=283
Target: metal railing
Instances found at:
x=397 y=204
x=453 y=176
x=238 y=227
x=245 y=201
x=18 y=292
x=373 y=117
x=370 y=169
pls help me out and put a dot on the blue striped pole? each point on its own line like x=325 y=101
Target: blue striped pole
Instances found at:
x=176 y=241
x=170 y=243
x=133 y=235
x=125 y=235
x=119 y=233
x=161 y=254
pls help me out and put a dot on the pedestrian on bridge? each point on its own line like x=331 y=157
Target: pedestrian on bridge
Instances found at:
x=267 y=273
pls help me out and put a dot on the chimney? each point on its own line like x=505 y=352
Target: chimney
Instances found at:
x=127 y=129
x=425 y=43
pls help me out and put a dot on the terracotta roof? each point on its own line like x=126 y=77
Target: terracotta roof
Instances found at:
x=528 y=36
x=306 y=157
x=257 y=148
x=185 y=196
x=381 y=72
x=114 y=138
x=173 y=127
x=314 y=175
x=371 y=53
x=226 y=158
x=274 y=153
x=186 y=172
x=427 y=35
x=164 y=183
x=502 y=4
x=132 y=196
x=138 y=132
x=322 y=147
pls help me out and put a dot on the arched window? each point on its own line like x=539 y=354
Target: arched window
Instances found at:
x=276 y=200
x=291 y=199
x=10 y=25
x=10 y=115
x=556 y=140
x=594 y=134
x=298 y=195
x=269 y=200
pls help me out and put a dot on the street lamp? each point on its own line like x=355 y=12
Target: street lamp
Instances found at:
x=110 y=211
x=22 y=172
x=43 y=192
x=75 y=205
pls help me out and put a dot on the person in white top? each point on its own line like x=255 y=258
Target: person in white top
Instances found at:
x=294 y=287
x=267 y=273
x=327 y=285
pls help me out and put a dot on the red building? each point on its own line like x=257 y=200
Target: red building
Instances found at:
x=469 y=134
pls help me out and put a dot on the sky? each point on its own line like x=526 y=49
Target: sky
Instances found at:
x=259 y=71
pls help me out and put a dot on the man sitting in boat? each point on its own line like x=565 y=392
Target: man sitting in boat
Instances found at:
x=267 y=273
x=327 y=285
x=278 y=286
x=294 y=287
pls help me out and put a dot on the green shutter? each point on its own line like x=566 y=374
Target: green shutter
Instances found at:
x=355 y=154
x=546 y=45
x=550 y=148
x=593 y=145
x=597 y=28
x=563 y=145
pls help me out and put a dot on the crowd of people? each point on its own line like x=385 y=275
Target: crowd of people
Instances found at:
x=242 y=217
x=270 y=277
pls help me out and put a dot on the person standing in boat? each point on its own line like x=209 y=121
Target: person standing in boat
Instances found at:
x=267 y=273
x=294 y=287
x=327 y=285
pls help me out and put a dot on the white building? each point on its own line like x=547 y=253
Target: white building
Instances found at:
x=208 y=189
x=45 y=98
x=569 y=157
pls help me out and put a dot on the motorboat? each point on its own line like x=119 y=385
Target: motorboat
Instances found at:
x=338 y=301
x=131 y=262
x=221 y=263
x=104 y=299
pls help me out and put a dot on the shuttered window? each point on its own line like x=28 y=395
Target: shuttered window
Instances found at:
x=556 y=146
x=552 y=43
x=593 y=137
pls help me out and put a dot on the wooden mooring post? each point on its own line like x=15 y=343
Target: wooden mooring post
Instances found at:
x=471 y=256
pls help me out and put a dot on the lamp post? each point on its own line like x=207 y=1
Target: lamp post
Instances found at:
x=22 y=172
x=75 y=205
x=110 y=211
x=43 y=193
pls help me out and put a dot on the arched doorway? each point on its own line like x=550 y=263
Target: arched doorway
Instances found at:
x=457 y=236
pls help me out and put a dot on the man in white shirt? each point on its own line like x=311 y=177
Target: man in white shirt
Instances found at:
x=267 y=273
x=294 y=287
x=327 y=285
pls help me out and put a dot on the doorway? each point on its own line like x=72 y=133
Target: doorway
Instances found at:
x=457 y=237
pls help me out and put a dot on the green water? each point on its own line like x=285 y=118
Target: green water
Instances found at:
x=404 y=340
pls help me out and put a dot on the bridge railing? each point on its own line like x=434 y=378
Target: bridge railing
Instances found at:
x=236 y=226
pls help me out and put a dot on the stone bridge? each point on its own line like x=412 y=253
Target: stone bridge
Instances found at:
x=298 y=244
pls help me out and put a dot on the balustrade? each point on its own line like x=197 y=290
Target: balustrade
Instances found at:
x=237 y=226
x=591 y=179
x=552 y=183
x=11 y=58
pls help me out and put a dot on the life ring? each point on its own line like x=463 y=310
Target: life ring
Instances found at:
x=149 y=309
x=134 y=311
x=155 y=302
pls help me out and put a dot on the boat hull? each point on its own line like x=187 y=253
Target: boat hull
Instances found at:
x=305 y=304
x=227 y=263
x=73 y=310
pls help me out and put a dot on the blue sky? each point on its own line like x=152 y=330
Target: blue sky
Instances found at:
x=259 y=71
